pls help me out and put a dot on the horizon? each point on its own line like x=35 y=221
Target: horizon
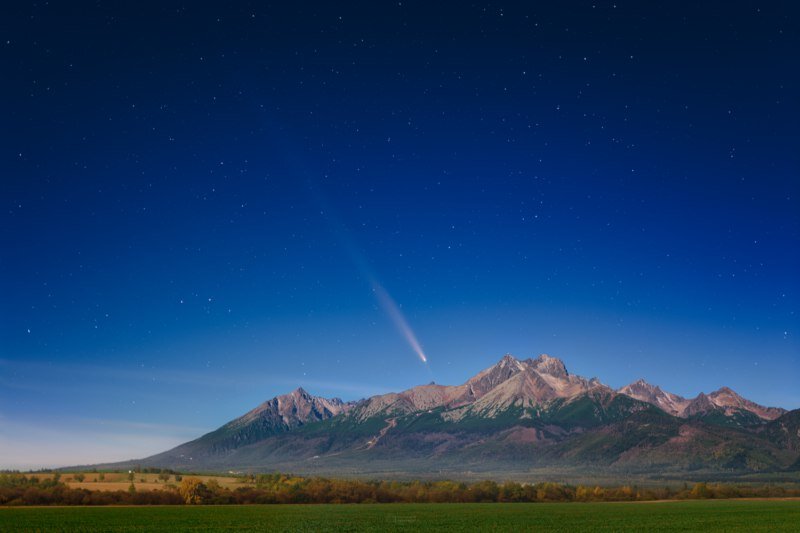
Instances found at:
x=203 y=208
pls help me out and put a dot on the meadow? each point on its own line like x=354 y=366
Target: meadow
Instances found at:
x=728 y=515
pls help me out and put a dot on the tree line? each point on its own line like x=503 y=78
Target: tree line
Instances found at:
x=18 y=489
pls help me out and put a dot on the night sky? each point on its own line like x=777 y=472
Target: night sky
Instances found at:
x=205 y=207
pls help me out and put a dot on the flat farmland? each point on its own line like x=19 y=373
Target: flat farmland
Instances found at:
x=722 y=515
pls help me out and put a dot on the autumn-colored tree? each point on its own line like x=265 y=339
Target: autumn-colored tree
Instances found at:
x=700 y=490
x=551 y=492
x=511 y=492
x=193 y=490
x=18 y=489
x=626 y=493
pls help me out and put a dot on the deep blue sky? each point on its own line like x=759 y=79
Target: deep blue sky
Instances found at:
x=194 y=200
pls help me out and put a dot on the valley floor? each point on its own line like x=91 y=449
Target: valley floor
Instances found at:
x=720 y=515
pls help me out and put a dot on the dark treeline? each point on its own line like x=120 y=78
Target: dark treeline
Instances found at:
x=18 y=489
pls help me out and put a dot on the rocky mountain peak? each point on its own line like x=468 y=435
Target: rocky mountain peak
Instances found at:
x=508 y=360
x=652 y=394
x=699 y=405
x=491 y=377
x=546 y=364
x=300 y=392
x=728 y=400
x=641 y=389
x=726 y=397
x=637 y=387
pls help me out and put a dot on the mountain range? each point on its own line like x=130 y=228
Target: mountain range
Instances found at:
x=516 y=416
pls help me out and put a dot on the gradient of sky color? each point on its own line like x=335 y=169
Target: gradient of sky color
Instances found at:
x=197 y=200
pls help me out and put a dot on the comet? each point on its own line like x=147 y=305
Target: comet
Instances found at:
x=394 y=313
x=299 y=166
x=357 y=256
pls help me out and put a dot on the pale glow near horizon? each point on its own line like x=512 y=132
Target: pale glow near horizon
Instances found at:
x=28 y=446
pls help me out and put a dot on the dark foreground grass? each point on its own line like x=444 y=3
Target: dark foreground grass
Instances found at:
x=729 y=515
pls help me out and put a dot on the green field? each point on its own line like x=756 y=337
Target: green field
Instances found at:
x=728 y=515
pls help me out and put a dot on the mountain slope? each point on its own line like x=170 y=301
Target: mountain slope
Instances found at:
x=516 y=415
x=280 y=414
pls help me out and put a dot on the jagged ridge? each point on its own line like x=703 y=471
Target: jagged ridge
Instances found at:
x=514 y=414
x=723 y=401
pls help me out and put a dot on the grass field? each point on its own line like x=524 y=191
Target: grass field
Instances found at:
x=727 y=515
